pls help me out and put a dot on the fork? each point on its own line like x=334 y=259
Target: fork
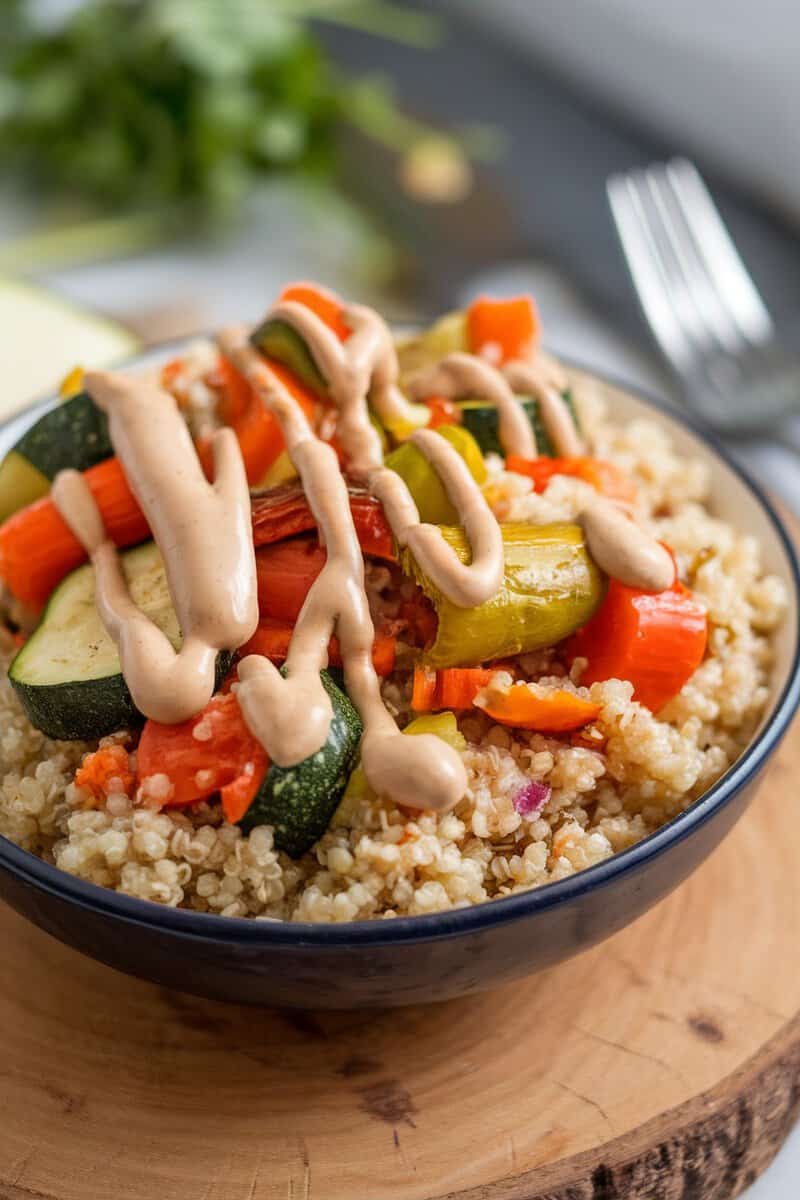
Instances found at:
x=700 y=302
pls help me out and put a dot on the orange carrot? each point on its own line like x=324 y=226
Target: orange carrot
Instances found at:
x=325 y=304
x=604 y=477
x=272 y=638
x=451 y=688
x=656 y=640
x=423 y=695
x=257 y=430
x=555 y=712
x=106 y=770
x=502 y=329
x=37 y=547
x=443 y=411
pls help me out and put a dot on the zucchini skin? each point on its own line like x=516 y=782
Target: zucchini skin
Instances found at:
x=551 y=588
x=299 y=801
x=280 y=341
x=73 y=434
x=86 y=709
x=482 y=422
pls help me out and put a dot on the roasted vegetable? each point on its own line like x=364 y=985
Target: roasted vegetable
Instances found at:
x=422 y=480
x=273 y=636
x=604 y=477
x=280 y=342
x=284 y=511
x=68 y=675
x=298 y=801
x=38 y=548
x=482 y=420
x=528 y=706
x=501 y=330
x=656 y=640
x=454 y=687
x=442 y=724
x=551 y=588
x=227 y=759
x=73 y=434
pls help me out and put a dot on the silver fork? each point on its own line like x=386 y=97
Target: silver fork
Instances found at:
x=703 y=308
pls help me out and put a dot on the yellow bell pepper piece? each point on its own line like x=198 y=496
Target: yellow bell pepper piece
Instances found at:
x=443 y=724
x=422 y=481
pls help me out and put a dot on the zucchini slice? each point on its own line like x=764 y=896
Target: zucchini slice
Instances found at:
x=482 y=422
x=280 y=341
x=299 y=801
x=73 y=434
x=67 y=675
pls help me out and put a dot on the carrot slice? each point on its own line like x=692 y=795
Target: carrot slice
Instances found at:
x=555 y=712
x=325 y=304
x=443 y=411
x=603 y=476
x=502 y=329
x=451 y=688
x=37 y=547
x=655 y=640
x=257 y=429
x=272 y=638
x=98 y=769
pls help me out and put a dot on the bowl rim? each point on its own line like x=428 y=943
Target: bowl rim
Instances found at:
x=476 y=918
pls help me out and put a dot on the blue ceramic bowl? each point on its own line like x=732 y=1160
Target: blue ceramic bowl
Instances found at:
x=419 y=959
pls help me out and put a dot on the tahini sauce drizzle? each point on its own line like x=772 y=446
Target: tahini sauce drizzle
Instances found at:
x=291 y=716
x=365 y=367
x=203 y=531
x=617 y=544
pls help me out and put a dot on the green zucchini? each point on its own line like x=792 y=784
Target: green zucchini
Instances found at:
x=67 y=675
x=280 y=341
x=73 y=434
x=299 y=801
x=482 y=421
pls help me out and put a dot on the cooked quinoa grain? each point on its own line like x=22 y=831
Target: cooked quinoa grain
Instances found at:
x=616 y=781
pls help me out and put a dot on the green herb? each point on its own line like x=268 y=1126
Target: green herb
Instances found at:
x=151 y=103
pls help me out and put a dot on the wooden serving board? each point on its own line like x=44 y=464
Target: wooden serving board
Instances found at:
x=664 y=1063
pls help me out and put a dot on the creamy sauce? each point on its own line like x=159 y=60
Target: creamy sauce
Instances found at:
x=459 y=375
x=204 y=534
x=291 y=716
x=619 y=547
x=623 y=550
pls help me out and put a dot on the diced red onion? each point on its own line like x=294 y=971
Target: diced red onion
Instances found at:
x=531 y=799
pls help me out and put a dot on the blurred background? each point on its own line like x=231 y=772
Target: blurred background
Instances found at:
x=166 y=164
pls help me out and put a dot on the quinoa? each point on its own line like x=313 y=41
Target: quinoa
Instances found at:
x=607 y=787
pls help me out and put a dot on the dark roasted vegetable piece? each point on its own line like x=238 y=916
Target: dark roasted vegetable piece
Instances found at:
x=299 y=801
x=482 y=422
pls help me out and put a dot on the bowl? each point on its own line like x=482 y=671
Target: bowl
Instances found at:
x=413 y=960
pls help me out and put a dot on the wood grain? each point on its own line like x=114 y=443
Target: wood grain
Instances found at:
x=664 y=1063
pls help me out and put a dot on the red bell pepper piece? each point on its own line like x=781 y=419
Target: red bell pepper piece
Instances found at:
x=284 y=511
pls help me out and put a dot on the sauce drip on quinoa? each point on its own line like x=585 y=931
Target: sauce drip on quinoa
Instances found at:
x=203 y=532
